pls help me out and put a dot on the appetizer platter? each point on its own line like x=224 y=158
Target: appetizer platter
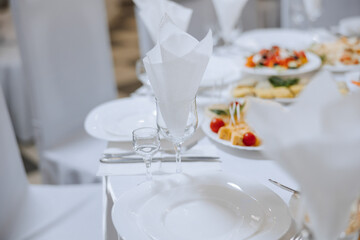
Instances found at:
x=341 y=55
x=226 y=125
x=281 y=61
x=280 y=89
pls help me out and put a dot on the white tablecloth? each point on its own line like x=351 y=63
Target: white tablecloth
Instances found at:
x=251 y=164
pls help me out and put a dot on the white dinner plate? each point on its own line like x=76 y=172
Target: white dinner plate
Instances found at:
x=211 y=206
x=314 y=62
x=255 y=40
x=115 y=120
x=340 y=68
x=205 y=126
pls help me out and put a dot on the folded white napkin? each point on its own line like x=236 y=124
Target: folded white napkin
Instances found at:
x=228 y=12
x=313 y=8
x=175 y=67
x=106 y=169
x=350 y=26
x=152 y=11
x=317 y=142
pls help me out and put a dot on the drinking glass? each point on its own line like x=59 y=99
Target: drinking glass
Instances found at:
x=146 y=143
x=141 y=72
x=313 y=10
x=178 y=136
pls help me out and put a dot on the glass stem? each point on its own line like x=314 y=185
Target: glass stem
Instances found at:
x=147 y=161
x=178 y=157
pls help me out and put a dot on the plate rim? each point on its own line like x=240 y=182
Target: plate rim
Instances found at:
x=91 y=117
x=293 y=72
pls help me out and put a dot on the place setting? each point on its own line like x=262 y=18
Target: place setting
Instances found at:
x=183 y=187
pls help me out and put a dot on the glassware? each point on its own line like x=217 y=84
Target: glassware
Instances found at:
x=141 y=72
x=297 y=14
x=313 y=9
x=146 y=142
x=352 y=230
x=177 y=135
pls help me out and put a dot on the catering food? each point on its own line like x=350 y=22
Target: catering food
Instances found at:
x=227 y=121
x=277 y=57
x=344 y=51
x=274 y=87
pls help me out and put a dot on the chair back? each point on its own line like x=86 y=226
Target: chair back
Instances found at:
x=13 y=182
x=65 y=48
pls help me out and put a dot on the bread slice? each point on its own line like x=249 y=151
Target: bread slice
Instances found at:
x=282 y=92
x=243 y=92
x=296 y=89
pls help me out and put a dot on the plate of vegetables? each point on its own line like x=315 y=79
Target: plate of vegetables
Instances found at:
x=226 y=125
x=281 y=62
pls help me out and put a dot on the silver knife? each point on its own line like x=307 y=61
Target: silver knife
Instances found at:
x=162 y=159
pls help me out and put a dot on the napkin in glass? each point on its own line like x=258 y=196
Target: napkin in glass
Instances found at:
x=228 y=13
x=317 y=142
x=175 y=67
x=152 y=11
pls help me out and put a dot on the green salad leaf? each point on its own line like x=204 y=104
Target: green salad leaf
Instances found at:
x=279 y=82
x=220 y=112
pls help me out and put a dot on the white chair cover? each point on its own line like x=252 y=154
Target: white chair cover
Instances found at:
x=13 y=182
x=66 y=55
x=12 y=80
x=41 y=212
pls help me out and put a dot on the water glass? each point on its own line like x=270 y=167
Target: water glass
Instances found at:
x=146 y=143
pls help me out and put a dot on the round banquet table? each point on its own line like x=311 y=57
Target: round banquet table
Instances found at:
x=249 y=164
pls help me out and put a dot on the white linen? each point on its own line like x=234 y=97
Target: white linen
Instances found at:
x=34 y=212
x=314 y=142
x=152 y=11
x=107 y=169
x=228 y=12
x=175 y=67
x=350 y=26
x=13 y=81
x=69 y=71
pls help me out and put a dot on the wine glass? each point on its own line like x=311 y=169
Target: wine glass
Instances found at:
x=177 y=123
x=146 y=142
x=313 y=10
x=142 y=76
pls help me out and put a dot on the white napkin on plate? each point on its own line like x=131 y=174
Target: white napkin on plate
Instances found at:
x=317 y=142
x=175 y=67
x=152 y=11
x=350 y=26
x=117 y=169
x=228 y=12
